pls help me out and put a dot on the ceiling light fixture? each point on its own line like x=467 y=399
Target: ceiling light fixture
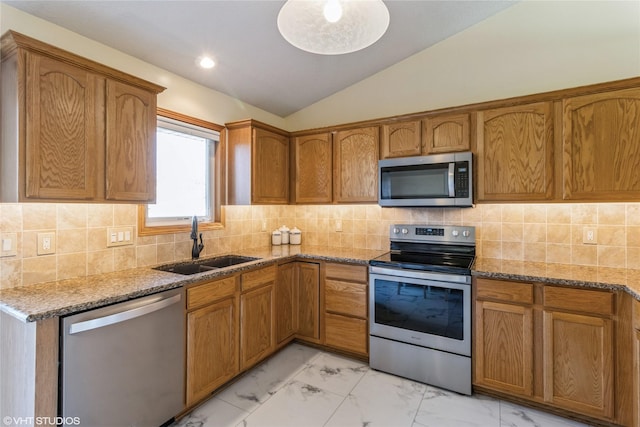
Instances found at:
x=333 y=27
x=206 y=62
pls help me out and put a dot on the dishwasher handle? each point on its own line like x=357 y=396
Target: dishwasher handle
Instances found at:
x=100 y=322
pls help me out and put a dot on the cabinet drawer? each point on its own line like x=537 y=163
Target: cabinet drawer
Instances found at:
x=253 y=279
x=584 y=300
x=347 y=333
x=207 y=293
x=505 y=291
x=346 y=297
x=353 y=273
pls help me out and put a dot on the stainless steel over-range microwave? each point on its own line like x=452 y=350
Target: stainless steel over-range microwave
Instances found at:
x=434 y=180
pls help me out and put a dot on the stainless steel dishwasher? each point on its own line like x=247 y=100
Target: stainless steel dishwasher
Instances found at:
x=123 y=365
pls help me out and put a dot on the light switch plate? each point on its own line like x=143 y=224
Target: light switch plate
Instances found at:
x=8 y=244
x=119 y=236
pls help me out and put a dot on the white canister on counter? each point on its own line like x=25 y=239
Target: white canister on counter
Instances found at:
x=284 y=230
x=295 y=236
x=276 y=238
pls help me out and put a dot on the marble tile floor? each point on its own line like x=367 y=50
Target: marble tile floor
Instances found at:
x=306 y=387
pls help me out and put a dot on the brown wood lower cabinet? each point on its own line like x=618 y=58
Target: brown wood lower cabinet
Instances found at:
x=578 y=363
x=235 y=322
x=286 y=302
x=345 y=308
x=257 y=316
x=212 y=337
x=308 y=301
x=548 y=344
x=504 y=349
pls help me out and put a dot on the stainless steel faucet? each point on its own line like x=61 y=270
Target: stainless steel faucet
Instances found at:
x=197 y=248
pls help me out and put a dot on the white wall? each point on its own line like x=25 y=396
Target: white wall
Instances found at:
x=531 y=47
x=181 y=95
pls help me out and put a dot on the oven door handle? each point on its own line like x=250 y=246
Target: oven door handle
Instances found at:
x=451 y=175
x=415 y=274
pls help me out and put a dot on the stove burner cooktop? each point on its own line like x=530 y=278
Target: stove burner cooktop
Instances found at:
x=446 y=249
x=445 y=263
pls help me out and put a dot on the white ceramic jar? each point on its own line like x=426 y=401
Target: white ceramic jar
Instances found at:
x=284 y=230
x=295 y=237
x=276 y=238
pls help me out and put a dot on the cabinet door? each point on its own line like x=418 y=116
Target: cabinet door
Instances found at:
x=504 y=347
x=270 y=164
x=446 y=134
x=578 y=363
x=212 y=348
x=515 y=153
x=309 y=301
x=400 y=140
x=64 y=131
x=131 y=143
x=602 y=146
x=256 y=328
x=355 y=165
x=286 y=302
x=313 y=169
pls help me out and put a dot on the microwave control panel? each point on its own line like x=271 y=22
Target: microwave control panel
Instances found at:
x=461 y=179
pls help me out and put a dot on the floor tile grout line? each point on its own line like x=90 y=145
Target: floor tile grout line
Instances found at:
x=347 y=396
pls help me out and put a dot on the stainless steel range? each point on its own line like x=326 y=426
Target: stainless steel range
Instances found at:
x=420 y=305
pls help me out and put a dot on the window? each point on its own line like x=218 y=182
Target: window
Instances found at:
x=188 y=176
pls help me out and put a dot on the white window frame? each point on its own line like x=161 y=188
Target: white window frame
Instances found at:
x=185 y=124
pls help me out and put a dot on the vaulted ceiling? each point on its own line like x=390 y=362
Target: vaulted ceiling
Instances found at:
x=254 y=62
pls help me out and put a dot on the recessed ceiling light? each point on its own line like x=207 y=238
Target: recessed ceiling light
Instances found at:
x=206 y=62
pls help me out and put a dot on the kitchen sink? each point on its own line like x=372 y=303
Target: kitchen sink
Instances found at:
x=200 y=266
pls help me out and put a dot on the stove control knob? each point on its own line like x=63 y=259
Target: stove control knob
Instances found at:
x=396 y=230
x=466 y=233
x=455 y=233
x=405 y=231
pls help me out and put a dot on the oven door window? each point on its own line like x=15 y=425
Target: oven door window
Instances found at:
x=429 y=309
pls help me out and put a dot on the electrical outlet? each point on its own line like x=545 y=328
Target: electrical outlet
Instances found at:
x=338 y=225
x=590 y=236
x=46 y=243
x=264 y=225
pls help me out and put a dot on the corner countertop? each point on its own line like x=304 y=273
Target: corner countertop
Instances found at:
x=560 y=274
x=31 y=303
x=41 y=301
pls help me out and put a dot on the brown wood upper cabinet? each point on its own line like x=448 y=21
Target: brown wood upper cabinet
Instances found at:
x=400 y=139
x=446 y=134
x=312 y=171
x=355 y=165
x=263 y=151
x=601 y=146
x=515 y=153
x=73 y=129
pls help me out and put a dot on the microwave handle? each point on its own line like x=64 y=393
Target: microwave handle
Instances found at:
x=452 y=187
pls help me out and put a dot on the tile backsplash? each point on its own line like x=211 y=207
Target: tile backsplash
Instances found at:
x=532 y=232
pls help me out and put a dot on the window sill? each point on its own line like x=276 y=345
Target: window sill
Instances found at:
x=146 y=230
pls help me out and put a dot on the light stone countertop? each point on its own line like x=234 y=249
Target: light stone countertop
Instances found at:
x=560 y=274
x=44 y=300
